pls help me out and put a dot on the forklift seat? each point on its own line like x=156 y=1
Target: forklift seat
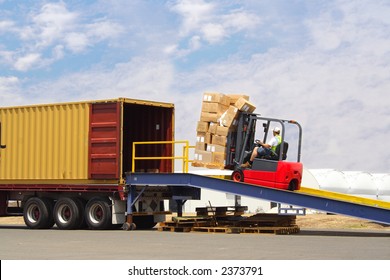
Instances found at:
x=285 y=149
x=275 y=155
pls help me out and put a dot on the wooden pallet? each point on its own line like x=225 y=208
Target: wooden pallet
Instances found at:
x=174 y=229
x=221 y=211
x=256 y=224
x=271 y=230
x=249 y=230
x=215 y=229
x=270 y=220
x=210 y=165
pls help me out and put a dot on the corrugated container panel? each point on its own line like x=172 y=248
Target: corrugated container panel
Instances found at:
x=104 y=137
x=45 y=142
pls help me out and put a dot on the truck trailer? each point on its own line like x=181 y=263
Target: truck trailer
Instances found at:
x=66 y=163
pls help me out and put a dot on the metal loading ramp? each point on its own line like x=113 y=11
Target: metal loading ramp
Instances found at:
x=333 y=204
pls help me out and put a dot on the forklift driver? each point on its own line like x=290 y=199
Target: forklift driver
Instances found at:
x=264 y=149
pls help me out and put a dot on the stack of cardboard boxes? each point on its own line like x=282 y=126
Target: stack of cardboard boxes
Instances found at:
x=218 y=117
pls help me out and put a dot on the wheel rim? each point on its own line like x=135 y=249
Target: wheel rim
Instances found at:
x=64 y=214
x=33 y=213
x=237 y=177
x=96 y=214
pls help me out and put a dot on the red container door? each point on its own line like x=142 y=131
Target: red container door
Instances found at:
x=104 y=141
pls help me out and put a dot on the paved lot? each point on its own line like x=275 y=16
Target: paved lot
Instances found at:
x=19 y=243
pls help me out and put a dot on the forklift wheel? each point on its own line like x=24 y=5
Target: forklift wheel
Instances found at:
x=238 y=176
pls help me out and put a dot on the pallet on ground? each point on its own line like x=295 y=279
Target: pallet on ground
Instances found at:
x=271 y=230
x=248 y=230
x=215 y=229
x=174 y=228
x=191 y=219
x=273 y=220
x=220 y=211
x=224 y=223
x=185 y=224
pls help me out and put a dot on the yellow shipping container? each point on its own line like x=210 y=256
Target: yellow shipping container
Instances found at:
x=82 y=142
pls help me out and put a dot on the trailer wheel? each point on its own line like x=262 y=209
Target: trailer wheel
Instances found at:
x=98 y=213
x=68 y=213
x=238 y=176
x=81 y=204
x=38 y=213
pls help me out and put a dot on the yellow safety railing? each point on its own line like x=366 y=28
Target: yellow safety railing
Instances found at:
x=184 y=157
x=186 y=161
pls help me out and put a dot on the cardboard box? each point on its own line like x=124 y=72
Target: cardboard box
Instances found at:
x=234 y=97
x=213 y=128
x=219 y=158
x=244 y=105
x=209 y=117
x=203 y=156
x=213 y=107
x=216 y=97
x=229 y=117
x=219 y=140
x=200 y=137
x=216 y=148
x=202 y=127
x=201 y=146
x=222 y=130
x=204 y=137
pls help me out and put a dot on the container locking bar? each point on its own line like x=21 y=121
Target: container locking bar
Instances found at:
x=1 y=146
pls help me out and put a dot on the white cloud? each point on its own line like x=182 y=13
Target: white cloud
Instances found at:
x=52 y=22
x=103 y=29
x=359 y=23
x=210 y=22
x=28 y=61
x=76 y=42
x=141 y=77
x=8 y=82
x=241 y=20
x=213 y=32
x=194 y=14
x=195 y=43
x=6 y=56
x=10 y=91
x=51 y=26
x=58 y=52
x=6 y=25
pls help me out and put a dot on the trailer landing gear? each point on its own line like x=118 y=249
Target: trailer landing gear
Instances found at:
x=129 y=225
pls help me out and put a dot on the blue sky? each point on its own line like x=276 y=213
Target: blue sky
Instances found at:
x=324 y=63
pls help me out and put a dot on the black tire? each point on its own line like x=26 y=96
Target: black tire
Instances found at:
x=144 y=222
x=98 y=213
x=68 y=213
x=38 y=213
x=293 y=185
x=81 y=203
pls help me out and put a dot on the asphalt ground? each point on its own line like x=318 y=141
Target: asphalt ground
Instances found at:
x=17 y=242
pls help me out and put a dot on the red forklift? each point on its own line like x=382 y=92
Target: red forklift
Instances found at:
x=273 y=170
